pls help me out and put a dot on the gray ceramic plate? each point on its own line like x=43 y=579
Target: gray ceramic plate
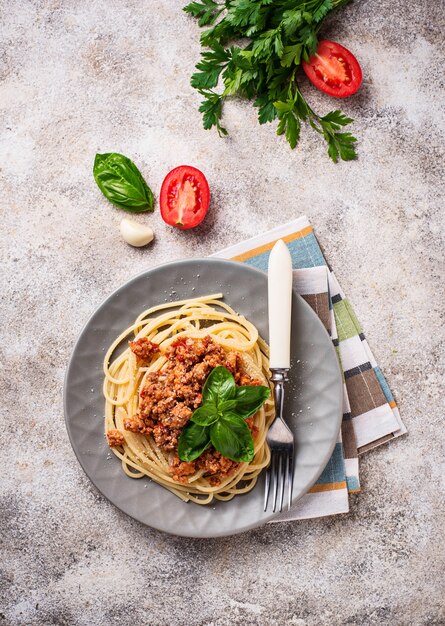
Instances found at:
x=315 y=382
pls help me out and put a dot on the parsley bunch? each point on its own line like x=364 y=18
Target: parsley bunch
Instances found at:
x=277 y=35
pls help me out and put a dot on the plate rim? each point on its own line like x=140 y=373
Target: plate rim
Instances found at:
x=120 y=288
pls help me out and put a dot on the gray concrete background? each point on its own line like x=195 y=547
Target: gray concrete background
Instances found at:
x=84 y=76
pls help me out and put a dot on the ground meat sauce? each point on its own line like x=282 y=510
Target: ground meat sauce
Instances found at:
x=169 y=397
x=115 y=438
x=143 y=348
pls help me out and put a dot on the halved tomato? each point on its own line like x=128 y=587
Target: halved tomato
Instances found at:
x=185 y=197
x=334 y=70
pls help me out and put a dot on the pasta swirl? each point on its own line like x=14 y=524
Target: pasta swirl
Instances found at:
x=125 y=376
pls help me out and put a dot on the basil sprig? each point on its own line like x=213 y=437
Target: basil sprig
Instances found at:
x=121 y=182
x=220 y=420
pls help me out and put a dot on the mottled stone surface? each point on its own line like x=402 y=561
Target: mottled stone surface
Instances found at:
x=83 y=76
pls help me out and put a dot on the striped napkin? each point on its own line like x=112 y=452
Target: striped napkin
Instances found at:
x=370 y=414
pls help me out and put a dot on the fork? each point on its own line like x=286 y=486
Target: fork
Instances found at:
x=282 y=448
x=279 y=438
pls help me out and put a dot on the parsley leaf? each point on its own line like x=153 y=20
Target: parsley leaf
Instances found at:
x=206 y=10
x=211 y=108
x=210 y=67
x=291 y=55
x=322 y=11
x=339 y=144
x=266 y=109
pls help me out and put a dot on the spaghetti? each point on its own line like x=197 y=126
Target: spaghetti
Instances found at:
x=204 y=318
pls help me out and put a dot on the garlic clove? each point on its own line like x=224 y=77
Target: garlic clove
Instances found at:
x=135 y=234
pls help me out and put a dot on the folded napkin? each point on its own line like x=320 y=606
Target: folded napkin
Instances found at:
x=370 y=414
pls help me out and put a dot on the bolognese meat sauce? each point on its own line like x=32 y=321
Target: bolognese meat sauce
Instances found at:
x=115 y=438
x=169 y=397
x=143 y=348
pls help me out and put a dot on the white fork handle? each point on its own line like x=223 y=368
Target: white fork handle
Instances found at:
x=280 y=305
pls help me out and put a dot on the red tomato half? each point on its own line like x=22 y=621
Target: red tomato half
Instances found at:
x=334 y=70
x=185 y=197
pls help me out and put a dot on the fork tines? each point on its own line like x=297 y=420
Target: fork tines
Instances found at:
x=280 y=470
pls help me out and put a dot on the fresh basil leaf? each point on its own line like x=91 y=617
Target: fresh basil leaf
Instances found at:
x=193 y=440
x=219 y=386
x=231 y=436
x=250 y=399
x=205 y=414
x=121 y=182
x=226 y=406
